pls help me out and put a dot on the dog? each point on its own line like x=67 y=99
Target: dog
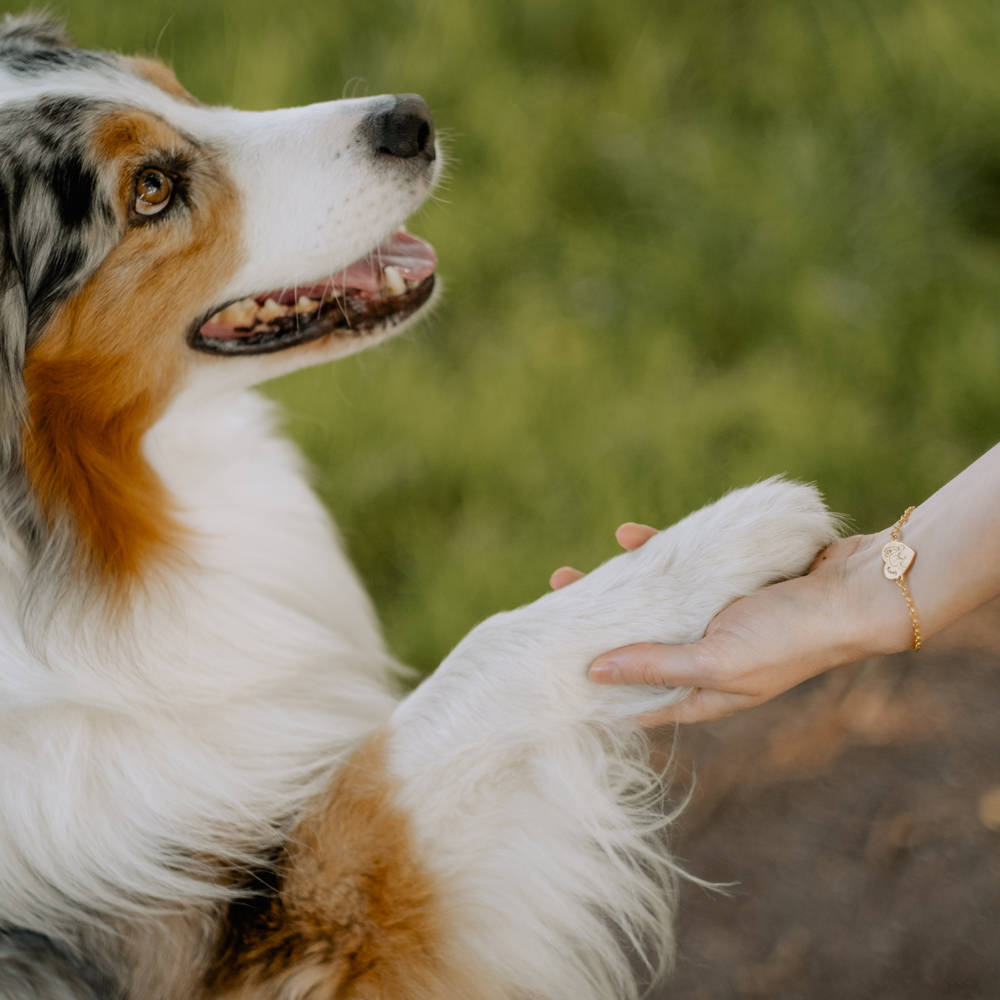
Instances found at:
x=209 y=784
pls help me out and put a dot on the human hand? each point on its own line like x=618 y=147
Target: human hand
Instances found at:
x=766 y=643
x=630 y=536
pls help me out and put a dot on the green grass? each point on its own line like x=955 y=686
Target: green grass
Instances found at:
x=686 y=245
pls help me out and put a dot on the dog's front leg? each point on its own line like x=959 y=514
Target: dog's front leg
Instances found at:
x=502 y=836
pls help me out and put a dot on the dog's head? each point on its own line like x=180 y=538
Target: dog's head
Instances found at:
x=149 y=243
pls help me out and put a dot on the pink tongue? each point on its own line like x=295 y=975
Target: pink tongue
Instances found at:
x=414 y=259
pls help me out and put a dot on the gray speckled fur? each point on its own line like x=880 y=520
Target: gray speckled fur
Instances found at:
x=32 y=968
x=56 y=226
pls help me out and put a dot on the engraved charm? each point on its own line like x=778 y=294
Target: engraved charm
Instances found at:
x=897 y=558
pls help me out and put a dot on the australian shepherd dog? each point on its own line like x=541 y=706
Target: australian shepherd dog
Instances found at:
x=209 y=784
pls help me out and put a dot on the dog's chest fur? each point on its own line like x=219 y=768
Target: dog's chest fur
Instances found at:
x=144 y=746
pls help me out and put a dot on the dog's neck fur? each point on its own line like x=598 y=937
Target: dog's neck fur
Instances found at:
x=239 y=675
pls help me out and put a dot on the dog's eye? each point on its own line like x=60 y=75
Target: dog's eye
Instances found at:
x=152 y=192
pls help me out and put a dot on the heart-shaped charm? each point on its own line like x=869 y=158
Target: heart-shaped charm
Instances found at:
x=897 y=558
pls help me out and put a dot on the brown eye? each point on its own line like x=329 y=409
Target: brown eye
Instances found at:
x=152 y=192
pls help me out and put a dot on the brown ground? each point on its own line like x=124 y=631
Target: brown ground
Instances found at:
x=854 y=818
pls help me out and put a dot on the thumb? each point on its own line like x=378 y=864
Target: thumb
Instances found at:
x=650 y=663
x=632 y=536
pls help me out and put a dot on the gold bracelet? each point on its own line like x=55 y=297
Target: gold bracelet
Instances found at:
x=898 y=558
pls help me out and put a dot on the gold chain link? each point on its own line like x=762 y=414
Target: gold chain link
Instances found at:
x=901 y=581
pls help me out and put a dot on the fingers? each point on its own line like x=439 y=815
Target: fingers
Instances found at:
x=669 y=666
x=653 y=664
x=631 y=535
x=564 y=576
x=691 y=665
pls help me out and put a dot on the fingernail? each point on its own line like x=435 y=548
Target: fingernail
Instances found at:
x=605 y=672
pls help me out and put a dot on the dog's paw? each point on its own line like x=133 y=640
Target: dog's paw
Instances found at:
x=751 y=537
x=526 y=670
x=670 y=589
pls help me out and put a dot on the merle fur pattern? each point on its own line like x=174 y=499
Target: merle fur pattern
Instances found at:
x=56 y=226
x=33 y=968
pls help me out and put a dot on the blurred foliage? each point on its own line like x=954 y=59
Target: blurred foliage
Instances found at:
x=686 y=245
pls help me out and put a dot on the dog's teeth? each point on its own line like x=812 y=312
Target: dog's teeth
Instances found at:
x=242 y=314
x=394 y=283
x=271 y=310
x=411 y=284
x=306 y=305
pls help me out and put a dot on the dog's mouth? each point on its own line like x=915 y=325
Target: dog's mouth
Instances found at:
x=370 y=296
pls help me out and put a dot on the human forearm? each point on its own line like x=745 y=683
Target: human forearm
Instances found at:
x=956 y=535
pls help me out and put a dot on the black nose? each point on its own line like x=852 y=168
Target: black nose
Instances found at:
x=407 y=130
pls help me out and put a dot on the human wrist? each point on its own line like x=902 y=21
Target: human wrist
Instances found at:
x=879 y=613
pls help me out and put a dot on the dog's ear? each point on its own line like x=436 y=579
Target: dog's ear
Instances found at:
x=53 y=234
x=55 y=229
x=34 y=30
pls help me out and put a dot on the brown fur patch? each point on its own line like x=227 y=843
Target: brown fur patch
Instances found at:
x=114 y=353
x=355 y=913
x=161 y=75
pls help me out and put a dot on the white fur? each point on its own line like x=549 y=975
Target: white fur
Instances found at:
x=207 y=714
